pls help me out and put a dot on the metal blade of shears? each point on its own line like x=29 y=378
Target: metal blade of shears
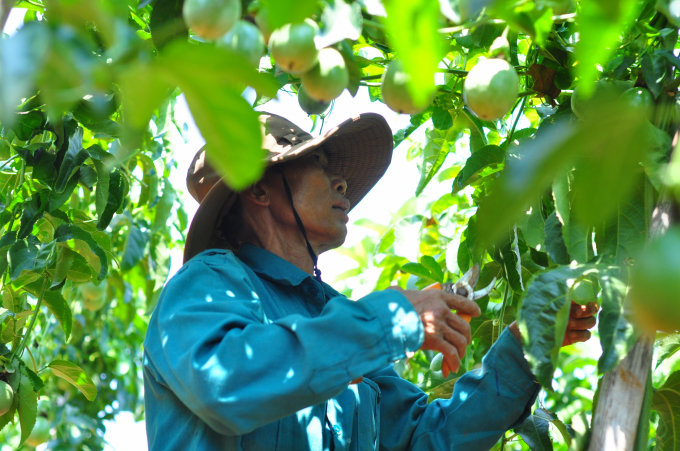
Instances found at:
x=484 y=291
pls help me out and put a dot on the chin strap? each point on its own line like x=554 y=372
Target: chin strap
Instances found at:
x=317 y=272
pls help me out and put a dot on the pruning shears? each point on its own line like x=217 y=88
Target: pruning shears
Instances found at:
x=465 y=286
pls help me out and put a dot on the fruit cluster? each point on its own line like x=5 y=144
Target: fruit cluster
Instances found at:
x=490 y=89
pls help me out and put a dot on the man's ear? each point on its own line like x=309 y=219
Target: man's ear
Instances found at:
x=258 y=194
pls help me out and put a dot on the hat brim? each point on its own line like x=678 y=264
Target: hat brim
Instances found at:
x=360 y=149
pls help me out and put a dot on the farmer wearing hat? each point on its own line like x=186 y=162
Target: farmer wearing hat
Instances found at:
x=248 y=349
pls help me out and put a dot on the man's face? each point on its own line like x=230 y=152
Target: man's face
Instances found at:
x=318 y=196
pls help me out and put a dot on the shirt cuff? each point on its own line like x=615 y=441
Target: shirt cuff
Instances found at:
x=506 y=356
x=401 y=325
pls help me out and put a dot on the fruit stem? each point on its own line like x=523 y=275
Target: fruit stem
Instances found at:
x=32 y=323
x=372 y=77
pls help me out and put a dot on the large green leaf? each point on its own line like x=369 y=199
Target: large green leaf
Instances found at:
x=166 y=22
x=71 y=160
x=75 y=376
x=212 y=80
x=27 y=257
x=554 y=241
x=56 y=304
x=67 y=232
x=666 y=402
x=135 y=246
x=535 y=431
x=33 y=210
x=543 y=319
x=617 y=335
x=412 y=31
x=486 y=157
x=115 y=198
x=419 y=270
x=667 y=348
x=280 y=12
x=512 y=264
x=163 y=208
x=27 y=407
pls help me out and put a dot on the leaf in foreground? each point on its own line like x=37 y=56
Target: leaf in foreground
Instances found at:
x=75 y=376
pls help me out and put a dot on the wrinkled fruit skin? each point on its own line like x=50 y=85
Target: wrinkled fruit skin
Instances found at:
x=436 y=363
x=395 y=92
x=309 y=105
x=326 y=81
x=246 y=40
x=93 y=297
x=586 y=108
x=655 y=284
x=211 y=19
x=640 y=100
x=6 y=397
x=293 y=48
x=491 y=89
x=40 y=433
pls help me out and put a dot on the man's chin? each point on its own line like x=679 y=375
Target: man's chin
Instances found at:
x=336 y=240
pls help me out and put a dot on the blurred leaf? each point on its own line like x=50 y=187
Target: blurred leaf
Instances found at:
x=535 y=230
x=653 y=69
x=166 y=22
x=65 y=258
x=27 y=407
x=56 y=303
x=163 y=208
x=280 y=12
x=67 y=232
x=441 y=118
x=668 y=347
x=485 y=157
x=28 y=124
x=352 y=67
x=666 y=402
x=434 y=153
x=617 y=335
x=33 y=210
x=543 y=318
x=555 y=421
x=512 y=265
x=412 y=31
x=115 y=195
x=554 y=241
x=434 y=268
x=535 y=431
x=135 y=245
x=419 y=270
x=75 y=376
x=27 y=257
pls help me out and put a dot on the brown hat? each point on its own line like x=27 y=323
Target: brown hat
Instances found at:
x=359 y=149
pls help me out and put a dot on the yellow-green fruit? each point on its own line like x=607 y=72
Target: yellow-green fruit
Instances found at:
x=40 y=433
x=262 y=21
x=211 y=19
x=246 y=40
x=394 y=91
x=309 y=105
x=640 y=100
x=77 y=331
x=293 y=47
x=436 y=363
x=655 y=284
x=583 y=292
x=6 y=397
x=326 y=81
x=92 y=296
x=63 y=384
x=491 y=89
x=586 y=108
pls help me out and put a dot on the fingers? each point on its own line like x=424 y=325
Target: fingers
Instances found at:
x=451 y=362
x=460 y=325
x=461 y=304
x=581 y=323
x=582 y=311
x=455 y=338
x=575 y=336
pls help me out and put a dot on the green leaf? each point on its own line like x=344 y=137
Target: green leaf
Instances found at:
x=33 y=210
x=559 y=425
x=75 y=376
x=437 y=386
x=535 y=230
x=667 y=348
x=73 y=158
x=617 y=335
x=102 y=189
x=56 y=304
x=280 y=12
x=666 y=402
x=486 y=157
x=535 y=431
x=27 y=407
x=212 y=80
x=560 y=188
x=554 y=242
x=419 y=270
x=34 y=379
x=27 y=257
x=65 y=258
x=116 y=197
x=163 y=208
x=67 y=232
x=441 y=118
x=434 y=153
x=412 y=27
x=433 y=267
x=543 y=318
x=512 y=263
x=135 y=245
x=166 y=22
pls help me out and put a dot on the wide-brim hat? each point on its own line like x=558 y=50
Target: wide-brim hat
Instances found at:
x=359 y=149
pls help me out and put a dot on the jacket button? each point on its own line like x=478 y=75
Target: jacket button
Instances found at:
x=312 y=290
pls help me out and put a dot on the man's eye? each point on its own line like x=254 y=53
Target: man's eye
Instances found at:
x=317 y=157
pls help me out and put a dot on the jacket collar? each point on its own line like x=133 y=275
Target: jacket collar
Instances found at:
x=274 y=268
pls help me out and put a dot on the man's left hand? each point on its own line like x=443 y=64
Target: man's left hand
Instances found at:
x=581 y=318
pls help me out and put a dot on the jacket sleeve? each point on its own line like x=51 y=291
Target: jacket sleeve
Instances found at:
x=485 y=403
x=210 y=342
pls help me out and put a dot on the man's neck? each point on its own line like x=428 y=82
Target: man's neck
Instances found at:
x=289 y=246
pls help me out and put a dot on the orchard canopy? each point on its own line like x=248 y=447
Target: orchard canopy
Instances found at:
x=550 y=123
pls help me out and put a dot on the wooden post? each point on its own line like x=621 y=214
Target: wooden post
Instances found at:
x=622 y=391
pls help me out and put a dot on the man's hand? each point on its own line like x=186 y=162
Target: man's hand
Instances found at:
x=581 y=318
x=445 y=331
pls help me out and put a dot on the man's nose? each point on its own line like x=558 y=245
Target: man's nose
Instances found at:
x=339 y=184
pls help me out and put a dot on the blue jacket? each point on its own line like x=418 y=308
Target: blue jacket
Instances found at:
x=249 y=352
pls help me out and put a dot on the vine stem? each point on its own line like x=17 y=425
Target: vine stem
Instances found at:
x=519 y=114
x=32 y=323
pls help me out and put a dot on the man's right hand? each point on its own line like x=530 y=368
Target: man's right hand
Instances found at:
x=445 y=331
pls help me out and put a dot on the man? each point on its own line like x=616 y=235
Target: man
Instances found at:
x=249 y=350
